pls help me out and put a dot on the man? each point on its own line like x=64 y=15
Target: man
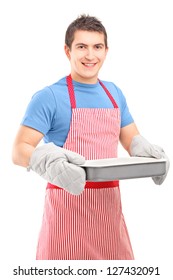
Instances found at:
x=80 y=117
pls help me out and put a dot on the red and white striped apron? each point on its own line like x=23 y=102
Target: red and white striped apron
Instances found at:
x=89 y=226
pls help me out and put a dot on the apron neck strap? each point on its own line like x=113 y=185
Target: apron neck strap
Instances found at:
x=109 y=95
x=71 y=91
x=72 y=94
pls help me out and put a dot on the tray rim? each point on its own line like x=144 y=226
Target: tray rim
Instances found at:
x=119 y=162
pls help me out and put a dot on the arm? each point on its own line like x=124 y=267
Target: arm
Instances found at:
x=56 y=165
x=25 y=142
x=126 y=135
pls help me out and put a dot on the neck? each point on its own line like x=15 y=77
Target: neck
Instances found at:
x=83 y=80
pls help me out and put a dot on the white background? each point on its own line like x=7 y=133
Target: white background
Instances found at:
x=140 y=62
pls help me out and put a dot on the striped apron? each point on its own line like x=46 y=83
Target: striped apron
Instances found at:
x=89 y=226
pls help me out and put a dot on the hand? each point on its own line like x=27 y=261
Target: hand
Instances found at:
x=59 y=166
x=158 y=180
x=142 y=148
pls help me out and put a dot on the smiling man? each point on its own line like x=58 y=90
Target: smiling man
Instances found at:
x=80 y=117
x=86 y=54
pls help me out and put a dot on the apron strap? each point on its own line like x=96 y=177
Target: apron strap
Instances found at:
x=72 y=94
x=71 y=91
x=109 y=95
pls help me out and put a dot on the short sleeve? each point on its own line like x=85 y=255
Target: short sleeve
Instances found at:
x=41 y=111
x=126 y=117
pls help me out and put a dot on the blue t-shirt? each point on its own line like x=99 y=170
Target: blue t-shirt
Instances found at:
x=49 y=110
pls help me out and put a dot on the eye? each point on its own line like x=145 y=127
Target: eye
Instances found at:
x=81 y=47
x=98 y=47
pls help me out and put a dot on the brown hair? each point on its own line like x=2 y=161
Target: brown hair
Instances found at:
x=87 y=23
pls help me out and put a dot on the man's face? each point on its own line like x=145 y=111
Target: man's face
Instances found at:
x=86 y=55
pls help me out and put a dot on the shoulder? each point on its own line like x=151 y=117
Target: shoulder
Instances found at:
x=52 y=89
x=59 y=85
x=112 y=87
x=115 y=91
x=51 y=93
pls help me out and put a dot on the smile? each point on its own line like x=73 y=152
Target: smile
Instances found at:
x=89 y=64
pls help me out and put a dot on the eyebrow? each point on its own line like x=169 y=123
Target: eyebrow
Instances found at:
x=82 y=44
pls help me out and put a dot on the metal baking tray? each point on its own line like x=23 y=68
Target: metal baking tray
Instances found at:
x=110 y=169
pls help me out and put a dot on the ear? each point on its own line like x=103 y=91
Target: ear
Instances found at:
x=67 y=51
x=107 y=50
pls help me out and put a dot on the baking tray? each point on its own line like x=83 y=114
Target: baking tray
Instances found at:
x=110 y=169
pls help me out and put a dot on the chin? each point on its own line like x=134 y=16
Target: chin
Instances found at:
x=90 y=75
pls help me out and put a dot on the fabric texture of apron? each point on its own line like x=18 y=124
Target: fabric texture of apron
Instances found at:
x=89 y=226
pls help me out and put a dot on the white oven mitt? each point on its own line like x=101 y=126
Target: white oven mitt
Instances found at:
x=140 y=147
x=59 y=166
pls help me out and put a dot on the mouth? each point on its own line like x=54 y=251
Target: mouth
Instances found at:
x=89 y=65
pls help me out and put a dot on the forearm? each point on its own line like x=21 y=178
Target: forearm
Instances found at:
x=21 y=154
x=25 y=142
x=126 y=135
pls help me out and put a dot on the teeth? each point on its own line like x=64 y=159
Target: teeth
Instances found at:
x=89 y=64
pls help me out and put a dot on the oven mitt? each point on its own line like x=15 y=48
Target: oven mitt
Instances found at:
x=60 y=167
x=140 y=147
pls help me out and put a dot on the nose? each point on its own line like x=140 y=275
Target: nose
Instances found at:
x=89 y=54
